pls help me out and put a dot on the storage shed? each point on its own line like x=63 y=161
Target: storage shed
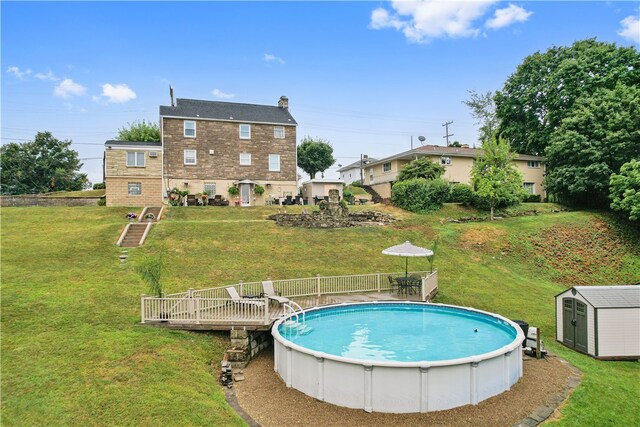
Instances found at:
x=602 y=321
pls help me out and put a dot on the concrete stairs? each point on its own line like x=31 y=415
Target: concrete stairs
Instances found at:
x=155 y=211
x=375 y=197
x=135 y=233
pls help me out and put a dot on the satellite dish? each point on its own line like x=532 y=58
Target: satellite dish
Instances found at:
x=421 y=139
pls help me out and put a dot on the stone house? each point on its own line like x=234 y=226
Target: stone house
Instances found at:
x=457 y=161
x=209 y=146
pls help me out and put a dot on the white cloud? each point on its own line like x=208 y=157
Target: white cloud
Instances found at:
x=18 y=73
x=220 y=94
x=48 y=76
x=421 y=21
x=117 y=93
x=630 y=28
x=67 y=88
x=507 y=16
x=272 y=58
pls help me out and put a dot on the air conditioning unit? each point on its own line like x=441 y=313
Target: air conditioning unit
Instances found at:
x=153 y=154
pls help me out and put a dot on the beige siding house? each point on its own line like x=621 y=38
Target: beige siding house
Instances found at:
x=208 y=146
x=316 y=189
x=133 y=173
x=457 y=161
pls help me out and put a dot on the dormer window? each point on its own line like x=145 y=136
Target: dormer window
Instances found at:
x=245 y=131
x=189 y=129
x=445 y=161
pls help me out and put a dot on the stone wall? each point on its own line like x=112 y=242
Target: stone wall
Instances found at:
x=116 y=163
x=8 y=201
x=325 y=220
x=245 y=345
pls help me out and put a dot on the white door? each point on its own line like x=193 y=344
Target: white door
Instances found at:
x=245 y=195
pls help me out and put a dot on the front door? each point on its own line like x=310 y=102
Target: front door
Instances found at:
x=574 y=327
x=245 y=195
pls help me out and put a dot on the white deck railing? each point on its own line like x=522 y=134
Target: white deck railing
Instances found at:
x=213 y=305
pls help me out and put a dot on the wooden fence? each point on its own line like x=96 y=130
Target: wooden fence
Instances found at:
x=214 y=306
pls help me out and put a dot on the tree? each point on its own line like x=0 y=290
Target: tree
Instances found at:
x=483 y=109
x=625 y=190
x=43 y=165
x=545 y=88
x=315 y=155
x=420 y=168
x=495 y=178
x=601 y=133
x=139 y=131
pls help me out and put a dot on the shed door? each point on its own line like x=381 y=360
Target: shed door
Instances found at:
x=574 y=323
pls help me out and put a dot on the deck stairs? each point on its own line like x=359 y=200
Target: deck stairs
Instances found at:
x=299 y=325
x=375 y=197
x=135 y=233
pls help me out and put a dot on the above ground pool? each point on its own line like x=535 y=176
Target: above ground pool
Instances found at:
x=398 y=357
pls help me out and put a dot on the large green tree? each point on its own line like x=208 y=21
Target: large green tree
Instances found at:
x=139 y=131
x=599 y=135
x=483 y=109
x=43 y=165
x=625 y=190
x=494 y=176
x=546 y=87
x=420 y=168
x=315 y=155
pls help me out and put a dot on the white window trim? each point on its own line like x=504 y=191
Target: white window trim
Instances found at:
x=139 y=184
x=136 y=165
x=384 y=167
x=249 y=158
x=445 y=161
x=534 y=164
x=195 y=157
x=279 y=167
x=184 y=129
x=275 y=135
x=532 y=186
x=240 y=131
x=215 y=187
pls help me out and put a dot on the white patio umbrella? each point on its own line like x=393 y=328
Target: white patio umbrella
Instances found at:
x=407 y=250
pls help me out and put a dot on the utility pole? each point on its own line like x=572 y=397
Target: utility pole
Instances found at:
x=446 y=132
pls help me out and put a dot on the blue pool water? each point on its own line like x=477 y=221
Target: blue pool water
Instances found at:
x=401 y=332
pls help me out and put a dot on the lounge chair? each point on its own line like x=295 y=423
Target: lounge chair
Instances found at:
x=268 y=291
x=235 y=297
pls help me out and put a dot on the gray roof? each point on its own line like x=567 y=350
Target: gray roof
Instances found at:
x=611 y=296
x=114 y=143
x=357 y=164
x=228 y=111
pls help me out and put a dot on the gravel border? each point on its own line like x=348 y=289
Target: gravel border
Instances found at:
x=262 y=399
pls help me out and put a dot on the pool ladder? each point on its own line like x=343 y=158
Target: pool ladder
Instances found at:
x=297 y=326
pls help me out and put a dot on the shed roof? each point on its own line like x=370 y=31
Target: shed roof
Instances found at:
x=228 y=111
x=623 y=296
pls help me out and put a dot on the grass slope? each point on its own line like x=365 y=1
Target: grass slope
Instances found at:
x=73 y=352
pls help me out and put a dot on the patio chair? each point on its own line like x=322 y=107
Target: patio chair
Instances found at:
x=236 y=298
x=191 y=200
x=268 y=291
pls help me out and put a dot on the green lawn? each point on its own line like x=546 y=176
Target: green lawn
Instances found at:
x=73 y=352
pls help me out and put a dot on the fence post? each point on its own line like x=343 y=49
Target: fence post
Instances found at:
x=538 y=340
x=142 y=316
x=198 y=308
x=318 y=283
x=423 y=291
x=378 y=279
x=266 y=310
x=241 y=288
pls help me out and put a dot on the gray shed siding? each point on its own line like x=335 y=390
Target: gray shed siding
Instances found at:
x=591 y=336
x=614 y=340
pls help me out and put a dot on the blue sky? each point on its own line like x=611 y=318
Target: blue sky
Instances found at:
x=364 y=75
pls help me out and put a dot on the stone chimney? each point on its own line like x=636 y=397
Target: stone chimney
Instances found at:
x=283 y=102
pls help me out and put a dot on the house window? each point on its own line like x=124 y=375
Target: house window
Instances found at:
x=274 y=162
x=445 y=161
x=278 y=132
x=189 y=157
x=386 y=167
x=245 y=131
x=135 y=158
x=135 y=188
x=189 y=129
x=533 y=163
x=245 y=159
x=210 y=188
x=529 y=187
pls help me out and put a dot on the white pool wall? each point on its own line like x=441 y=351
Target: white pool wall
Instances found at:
x=398 y=387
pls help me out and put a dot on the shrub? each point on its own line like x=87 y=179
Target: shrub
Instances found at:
x=357 y=183
x=420 y=195
x=461 y=193
x=234 y=191
x=484 y=204
x=531 y=198
x=259 y=190
x=99 y=186
x=102 y=201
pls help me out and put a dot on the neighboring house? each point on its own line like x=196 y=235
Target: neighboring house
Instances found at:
x=319 y=189
x=457 y=161
x=133 y=173
x=355 y=171
x=210 y=146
